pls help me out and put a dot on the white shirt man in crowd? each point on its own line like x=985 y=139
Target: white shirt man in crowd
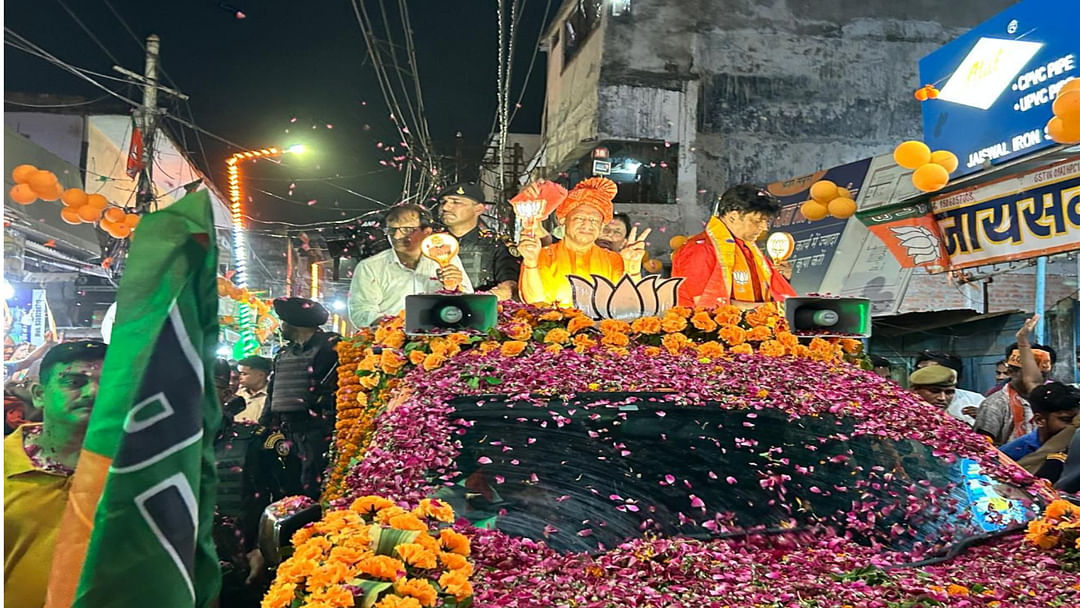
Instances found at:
x=254 y=378
x=381 y=282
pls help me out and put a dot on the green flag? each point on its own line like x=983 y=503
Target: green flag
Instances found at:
x=146 y=471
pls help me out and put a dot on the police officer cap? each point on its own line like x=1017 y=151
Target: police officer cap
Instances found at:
x=69 y=352
x=465 y=190
x=300 y=312
x=933 y=375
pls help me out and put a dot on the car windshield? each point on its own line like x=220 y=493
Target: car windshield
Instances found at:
x=603 y=468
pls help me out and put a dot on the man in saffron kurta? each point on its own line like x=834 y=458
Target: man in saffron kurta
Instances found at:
x=586 y=210
x=722 y=265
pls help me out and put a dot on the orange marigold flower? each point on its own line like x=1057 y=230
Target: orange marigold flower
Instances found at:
x=417 y=588
x=728 y=315
x=487 y=346
x=551 y=315
x=743 y=349
x=608 y=326
x=292 y=571
x=407 y=521
x=456 y=562
x=370 y=381
x=957 y=590
x=390 y=361
x=672 y=323
x=456 y=584
x=328 y=574
x=433 y=507
x=646 y=325
x=759 y=334
x=851 y=346
x=444 y=347
x=1040 y=534
x=416 y=357
x=703 y=321
x=553 y=348
x=382 y=567
x=454 y=542
x=733 y=335
x=675 y=342
x=512 y=348
x=394 y=339
x=583 y=342
x=615 y=339
x=368 y=363
x=801 y=350
x=368 y=506
x=334 y=596
x=519 y=331
x=579 y=323
x=557 y=335
x=1058 y=508
x=710 y=349
x=301 y=535
x=652 y=351
x=428 y=542
x=681 y=311
x=458 y=338
x=362 y=398
x=416 y=555
x=395 y=601
x=347 y=555
x=280 y=595
x=772 y=348
x=787 y=338
x=433 y=361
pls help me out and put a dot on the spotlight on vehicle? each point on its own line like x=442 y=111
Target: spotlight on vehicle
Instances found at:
x=338 y=305
x=296 y=149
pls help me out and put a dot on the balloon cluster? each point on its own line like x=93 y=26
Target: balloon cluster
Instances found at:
x=32 y=183
x=932 y=169
x=826 y=198
x=927 y=92
x=1064 y=127
x=265 y=323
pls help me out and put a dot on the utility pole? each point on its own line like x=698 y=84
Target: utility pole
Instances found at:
x=148 y=123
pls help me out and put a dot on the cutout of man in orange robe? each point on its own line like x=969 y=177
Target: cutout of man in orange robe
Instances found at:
x=585 y=211
x=722 y=265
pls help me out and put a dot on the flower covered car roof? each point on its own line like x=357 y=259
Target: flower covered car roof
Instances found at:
x=699 y=458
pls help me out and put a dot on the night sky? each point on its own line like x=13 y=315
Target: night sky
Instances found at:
x=290 y=72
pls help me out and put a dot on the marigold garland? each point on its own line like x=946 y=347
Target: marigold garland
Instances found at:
x=345 y=555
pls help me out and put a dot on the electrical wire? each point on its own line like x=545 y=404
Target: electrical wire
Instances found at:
x=56 y=105
x=89 y=33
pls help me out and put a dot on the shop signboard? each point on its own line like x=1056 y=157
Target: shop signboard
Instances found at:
x=1014 y=218
x=998 y=81
x=815 y=242
x=39 y=317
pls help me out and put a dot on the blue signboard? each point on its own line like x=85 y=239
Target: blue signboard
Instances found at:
x=815 y=242
x=998 y=82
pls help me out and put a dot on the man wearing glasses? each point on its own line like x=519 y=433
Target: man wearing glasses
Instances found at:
x=381 y=282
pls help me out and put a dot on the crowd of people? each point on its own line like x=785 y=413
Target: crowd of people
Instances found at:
x=279 y=414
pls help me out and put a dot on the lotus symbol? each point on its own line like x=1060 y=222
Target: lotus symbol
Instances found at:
x=599 y=298
x=921 y=245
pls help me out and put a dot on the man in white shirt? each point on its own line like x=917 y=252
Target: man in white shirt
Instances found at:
x=254 y=377
x=381 y=282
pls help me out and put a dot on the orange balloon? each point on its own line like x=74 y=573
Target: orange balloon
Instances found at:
x=814 y=211
x=843 y=193
x=921 y=94
x=946 y=159
x=97 y=201
x=114 y=215
x=21 y=174
x=912 y=154
x=42 y=180
x=132 y=220
x=842 y=208
x=70 y=215
x=1062 y=131
x=73 y=197
x=930 y=177
x=22 y=194
x=676 y=242
x=88 y=214
x=823 y=191
x=1072 y=85
x=118 y=231
x=653 y=265
x=54 y=194
x=1067 y=105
